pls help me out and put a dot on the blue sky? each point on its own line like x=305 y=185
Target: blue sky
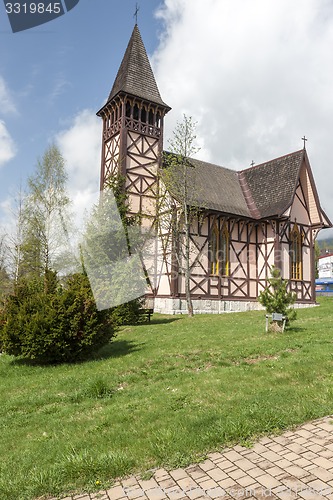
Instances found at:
x=255 y=74
x=52 y=72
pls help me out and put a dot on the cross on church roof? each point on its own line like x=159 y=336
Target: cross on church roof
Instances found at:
x=304 y=139
x=137 y=8
x=252 y=163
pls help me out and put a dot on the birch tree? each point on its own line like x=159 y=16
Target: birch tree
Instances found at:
x=178 y=176
x=45 y=215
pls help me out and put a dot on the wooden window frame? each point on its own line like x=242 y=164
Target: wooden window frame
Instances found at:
x=214 y=249
x=219 y=241
x=224 y=246
x=296 y=254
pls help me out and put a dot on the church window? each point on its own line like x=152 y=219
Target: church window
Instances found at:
x=136 y=112
x=296 y=253
x=224 y=251
x=151 y=117
x=144 y=115
x=214 y=249
x=219 y=251
x=128 y=110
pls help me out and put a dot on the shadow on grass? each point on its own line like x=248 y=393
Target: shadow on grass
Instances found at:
x=114 y=349
x=163 y=321
x=295 y=329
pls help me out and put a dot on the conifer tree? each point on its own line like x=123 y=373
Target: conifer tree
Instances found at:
x=276 y=298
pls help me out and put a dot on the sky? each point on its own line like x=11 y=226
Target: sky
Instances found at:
x=256 y=76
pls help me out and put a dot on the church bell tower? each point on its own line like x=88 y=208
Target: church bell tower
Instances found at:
x=132 y=141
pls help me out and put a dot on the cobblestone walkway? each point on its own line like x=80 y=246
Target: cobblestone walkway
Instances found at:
x=296 y=464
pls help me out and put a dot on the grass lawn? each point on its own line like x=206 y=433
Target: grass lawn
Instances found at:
x=162 y=394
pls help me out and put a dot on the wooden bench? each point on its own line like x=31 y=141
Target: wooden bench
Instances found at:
x=276 y=317
x=146 y=313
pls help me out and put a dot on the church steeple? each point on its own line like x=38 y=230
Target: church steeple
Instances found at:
x=135 y=76
x=133 y=127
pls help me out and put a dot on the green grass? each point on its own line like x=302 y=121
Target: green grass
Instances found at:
x=162 y=394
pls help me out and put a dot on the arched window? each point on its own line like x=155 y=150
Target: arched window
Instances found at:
x=151 y=117
x=128 y=109
x=219 y=251
x=296 y=253
x=136 y=112
x=214 y=250
x=224 y=251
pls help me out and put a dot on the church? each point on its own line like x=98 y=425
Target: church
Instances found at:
x=250 y=220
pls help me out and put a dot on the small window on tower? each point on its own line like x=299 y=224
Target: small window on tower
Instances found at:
x=128 y=110
x=136 y=112
x=151 y=117
x=144 y=115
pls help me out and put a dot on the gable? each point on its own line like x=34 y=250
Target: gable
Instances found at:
x=305 y=207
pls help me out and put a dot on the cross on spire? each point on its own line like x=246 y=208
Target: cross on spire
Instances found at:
x=137 y=8
x=252 y=163
x=304 y=139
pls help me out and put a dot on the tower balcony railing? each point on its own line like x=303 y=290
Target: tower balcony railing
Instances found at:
x=131 y=124
x=112 y=129
x=142 y=128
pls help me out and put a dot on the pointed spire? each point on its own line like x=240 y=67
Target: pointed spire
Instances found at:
x=135 y=75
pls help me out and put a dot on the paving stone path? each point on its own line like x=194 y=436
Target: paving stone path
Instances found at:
x=296 y=464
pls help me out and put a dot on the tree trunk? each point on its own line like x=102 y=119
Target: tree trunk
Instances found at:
x=187 y=265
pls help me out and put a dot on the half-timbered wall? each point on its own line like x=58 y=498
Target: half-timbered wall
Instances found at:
x=254 y=248
x=142 y=158
x=251 y=254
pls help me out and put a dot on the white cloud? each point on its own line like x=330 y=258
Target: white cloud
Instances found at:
x=80 y=144
x=7 y=146
x=6 y=102
x=256 y=75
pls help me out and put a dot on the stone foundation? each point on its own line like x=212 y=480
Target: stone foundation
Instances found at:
x=203 y=306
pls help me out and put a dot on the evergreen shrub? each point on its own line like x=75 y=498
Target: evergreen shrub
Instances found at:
x=52 y=323
x=276 y=298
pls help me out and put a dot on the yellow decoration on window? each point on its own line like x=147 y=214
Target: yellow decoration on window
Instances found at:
x=219 y=247
x=296 y=254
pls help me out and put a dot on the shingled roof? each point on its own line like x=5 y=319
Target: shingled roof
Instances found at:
x=273 y=184
x=259 y=192
x=218 y=188
x=135 y=76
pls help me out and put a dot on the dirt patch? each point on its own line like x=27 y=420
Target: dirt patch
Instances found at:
x=274 y=357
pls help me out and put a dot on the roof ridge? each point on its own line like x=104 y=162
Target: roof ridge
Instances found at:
x=273 y=159
x=253 y=209
x=203 y=161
